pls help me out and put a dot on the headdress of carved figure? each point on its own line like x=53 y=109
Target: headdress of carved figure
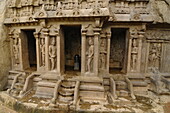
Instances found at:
x=134 y=43
x=53 y=41
x=90 y=41
x=16 y=41
x=102 y=43
x=42 y=41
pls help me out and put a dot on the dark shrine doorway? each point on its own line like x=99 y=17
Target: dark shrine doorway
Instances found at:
x=118 y=50
x=72 y=47
x=30 y=45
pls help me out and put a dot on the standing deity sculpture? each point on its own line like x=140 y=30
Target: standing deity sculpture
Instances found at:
x=90 y=55
x=103 y=53
x=155 y=55
x=52 y=53
x=42 y=51
x=134 y=54
x=16 y=51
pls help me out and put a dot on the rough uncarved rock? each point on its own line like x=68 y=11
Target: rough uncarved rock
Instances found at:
x=4 y=47
x=160 y=10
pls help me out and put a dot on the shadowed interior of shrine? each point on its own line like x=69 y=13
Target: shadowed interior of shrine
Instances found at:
x=118 y=50
x=31 y=48
x=72 y=47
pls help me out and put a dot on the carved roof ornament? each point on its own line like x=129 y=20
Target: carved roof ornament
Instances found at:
x=136 y=17
x=41 y=14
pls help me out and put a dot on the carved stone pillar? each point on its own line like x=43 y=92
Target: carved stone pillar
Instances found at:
x=58 y=53
x=108 y=35
x=83 y=52
x=46 y=35
x=37 y=50
x=135 y=49
x=96 y=51
x=15 y=42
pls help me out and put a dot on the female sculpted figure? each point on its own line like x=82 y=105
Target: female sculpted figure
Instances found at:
x=90 y=55
x=52 y=53
x=155 y=55
x=42 y=51
x=16 y=51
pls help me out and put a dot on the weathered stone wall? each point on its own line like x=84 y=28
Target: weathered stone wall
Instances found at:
x=160 y=10
x=4 y=47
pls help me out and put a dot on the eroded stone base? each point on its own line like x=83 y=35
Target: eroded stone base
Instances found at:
x=32 y=105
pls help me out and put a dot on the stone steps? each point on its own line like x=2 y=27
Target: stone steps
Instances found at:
x=140 y=84
x=91 y=87
x=66 y=92
x=45 y=89
x=121 y=85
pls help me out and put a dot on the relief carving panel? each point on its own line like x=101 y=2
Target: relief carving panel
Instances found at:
x=90 y=55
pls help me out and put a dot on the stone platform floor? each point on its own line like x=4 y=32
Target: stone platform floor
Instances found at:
x=4 y=109
x=140 y=107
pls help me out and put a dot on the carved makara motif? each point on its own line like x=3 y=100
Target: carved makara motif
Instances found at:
x=16 y=50
x=103 y=52
x=90 y=55
x=52 y=53
x=42 y=51
x=154 y=55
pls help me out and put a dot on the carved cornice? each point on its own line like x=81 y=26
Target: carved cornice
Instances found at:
x=158 y=35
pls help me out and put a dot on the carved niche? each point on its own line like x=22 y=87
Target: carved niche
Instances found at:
x=154 y=55
x=15 y=41
x=42 y=51
x=90 y=54
x=42 y=46
x=52 y=53
x=134 y=54
x=155 y=39
x=16 y=50
x=136 y=36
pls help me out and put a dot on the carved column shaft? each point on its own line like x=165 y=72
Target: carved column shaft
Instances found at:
x=83 y=53
x=108 y=51
x=37 y=50
x=96 y=52
x=141 y=35
x=46 y=35
x=135 y=49
x=58 y=53
x=129 y=55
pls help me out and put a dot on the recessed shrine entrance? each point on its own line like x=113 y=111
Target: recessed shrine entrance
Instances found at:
x=118 y=50
x=29 y=50
x=72 y=48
